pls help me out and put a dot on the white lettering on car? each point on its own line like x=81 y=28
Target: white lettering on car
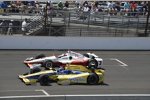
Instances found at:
x=76 y=80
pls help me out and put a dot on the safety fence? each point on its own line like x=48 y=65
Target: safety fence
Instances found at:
x=74 y=23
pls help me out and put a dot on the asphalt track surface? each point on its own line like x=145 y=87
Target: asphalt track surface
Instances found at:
x=127 y=72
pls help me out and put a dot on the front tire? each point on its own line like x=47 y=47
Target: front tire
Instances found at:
x=92 y=79
x=93 y=64
x=44 y=80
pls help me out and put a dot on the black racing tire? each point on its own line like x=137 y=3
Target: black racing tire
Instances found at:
x=35 y=70
x=93 y=79
x=40 y=56
x=48 y=64
x=93 y=64
x=44 y=80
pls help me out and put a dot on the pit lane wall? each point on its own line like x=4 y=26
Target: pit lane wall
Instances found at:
x=74 y=43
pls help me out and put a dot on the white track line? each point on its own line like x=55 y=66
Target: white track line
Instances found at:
x=16 y=90
x=30 y=96
x=99 y=95
x=122 y=63
x=43 y=92
x=89 y=95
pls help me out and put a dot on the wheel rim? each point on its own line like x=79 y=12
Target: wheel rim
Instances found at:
x=92 y=63
x=48 y=64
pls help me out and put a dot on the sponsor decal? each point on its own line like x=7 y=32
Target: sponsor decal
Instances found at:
x=76 y=80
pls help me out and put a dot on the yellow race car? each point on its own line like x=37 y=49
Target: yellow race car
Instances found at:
x=72 y=74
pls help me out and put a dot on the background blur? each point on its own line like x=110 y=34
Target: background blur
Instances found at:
x=75 y=18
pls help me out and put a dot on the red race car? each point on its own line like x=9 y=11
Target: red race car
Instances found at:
x=69 y=57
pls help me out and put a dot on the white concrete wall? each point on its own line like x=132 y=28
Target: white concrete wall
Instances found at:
x=86 y=43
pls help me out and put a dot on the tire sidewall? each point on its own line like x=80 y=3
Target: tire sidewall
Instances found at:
x=93 y=61
x=44 y=80
x=92 y=79
x=48 y=64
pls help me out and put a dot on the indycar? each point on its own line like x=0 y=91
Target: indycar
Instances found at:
x=65 y=76
x=70 y=57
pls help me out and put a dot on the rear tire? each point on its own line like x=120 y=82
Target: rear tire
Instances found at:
x=92 y=79
x=48 y=64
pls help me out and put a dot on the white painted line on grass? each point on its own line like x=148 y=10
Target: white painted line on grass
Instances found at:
x=43 y=92
x=88 y=95
x=122 y=63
